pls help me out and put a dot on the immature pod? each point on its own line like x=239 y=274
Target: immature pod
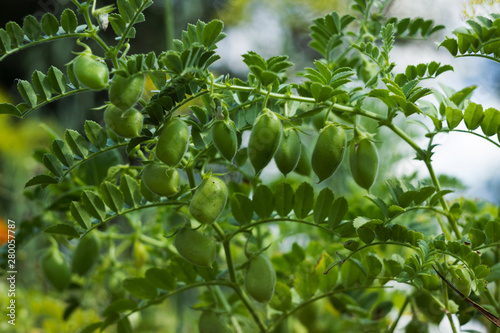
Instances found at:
x=209 y=200
x=56 y=269
x=172 y=142
x=161 y=179
x=260 y=279
x=195 y=247
x=90 y=71
x=288 y=154
x=264 y=139
x=328 y=151
x=86 y=254
x=461 y=280
x=210 y=322
x=304 y=165
x=124 y=92
x=127 y=124
x=363 y=162
x=224 y=138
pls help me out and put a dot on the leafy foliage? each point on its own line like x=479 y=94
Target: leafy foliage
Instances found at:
x=355 y=243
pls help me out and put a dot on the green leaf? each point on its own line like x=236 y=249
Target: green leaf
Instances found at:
x=112 y=196
x=379 y=203
x=481 y=271
x=161 y=278
x=399 y=233
x=451 y=45
x=263 y=201
x=438 y=196
x=76 y=143
x=94 y=205
x=200 y=113
x=69 y=21
x=394 y=265
x=92 y=327
x=7 y=108
x=41 y=84
x=120 y=305
x=27 y=92
x=383 y=233
x=406 y=198
x=473 y=116
x=140 y=288
x=453 y=117
x=351 y=245
x=495 y=273
x=459 y=97
x=337 y=212
x=423 y=194
x=326 y=282
x=80 y=214
x=304 y=200
x=5 y=42
x=212 y=33
x=62 y=152
x=477 y=237
x=322 y=205
x=373 y=264
x=283 y=199
x=96 y=134
x=242 y=208
x=321 y=92
x=53 y=164
x=131 y=190
x=31 y=28
x=351 y=272
x=134 y=142
x=492 y=231
x=15 y=32
x=126 y=11
x=41 y=180
x=306 y=281
x=50 y=25
x=490 y=122
x=282 y=298
x=57 y=80
x=366 y=234
x=62 y=229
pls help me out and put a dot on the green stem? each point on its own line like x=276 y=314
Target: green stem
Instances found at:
x=248 y=304
x=395 y=323
x=432 y=174
x=299 y=306
x=80 y=162
x=364 y=247
x=50 y=100
x=227 y=307
x=251 y=225
x=474 y=133
x=478 y=55
x=169 y=24
x=131 y=24
x=443 y=202
x=133 y=209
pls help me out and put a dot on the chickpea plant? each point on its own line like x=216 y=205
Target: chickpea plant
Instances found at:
x=212 y=219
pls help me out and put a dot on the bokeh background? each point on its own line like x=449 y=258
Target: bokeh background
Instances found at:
x=269 y=27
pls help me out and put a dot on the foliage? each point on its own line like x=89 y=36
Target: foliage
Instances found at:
x=156 y=233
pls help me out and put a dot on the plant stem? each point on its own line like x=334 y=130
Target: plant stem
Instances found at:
x=395 y=323
x=314 y=299
x=169 y=24
x=226 y=306
x=432 y=174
